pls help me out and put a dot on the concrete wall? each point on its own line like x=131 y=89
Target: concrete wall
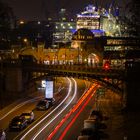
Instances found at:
x=133 y=86
x=13 y=80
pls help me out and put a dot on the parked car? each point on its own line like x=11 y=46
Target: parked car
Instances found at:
x=91 y=124
x=29 y=116
x=2 y=134
x=96 y=114
x=42 y=105
x=18 y=122
x=88 y=134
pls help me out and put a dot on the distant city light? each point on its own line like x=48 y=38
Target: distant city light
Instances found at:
x=63 y=18
x=80 y=15
x=21 y=22
x=25 y=40
x=38 y=22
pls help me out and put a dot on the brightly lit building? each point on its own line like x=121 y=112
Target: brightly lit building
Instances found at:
x=99 y=20
x=88 y=46
x=63 y=29
x=118 y=50
x=88 y=49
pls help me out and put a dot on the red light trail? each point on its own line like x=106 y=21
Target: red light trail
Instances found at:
x=72 y=111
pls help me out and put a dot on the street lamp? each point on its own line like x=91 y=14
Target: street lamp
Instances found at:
x=25 y=40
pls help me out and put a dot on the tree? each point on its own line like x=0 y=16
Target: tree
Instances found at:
x=6 y=15
x=6 y=20
x=133 y=17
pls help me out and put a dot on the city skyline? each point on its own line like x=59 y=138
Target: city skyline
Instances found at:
x=40 y=9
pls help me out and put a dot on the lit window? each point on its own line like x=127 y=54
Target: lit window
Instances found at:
x=49 y=19
x=63 y=18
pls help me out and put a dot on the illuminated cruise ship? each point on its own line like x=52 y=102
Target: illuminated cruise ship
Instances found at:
x=99 y=21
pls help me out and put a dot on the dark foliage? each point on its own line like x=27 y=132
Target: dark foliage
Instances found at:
x=133 y=17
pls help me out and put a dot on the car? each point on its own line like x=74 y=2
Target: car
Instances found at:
x=42 y=105
x=86 y=131
x=51 y=101
x=89 y=134
x=18 y=122
x=96 y=115
x=29 y=116
x=2 y=134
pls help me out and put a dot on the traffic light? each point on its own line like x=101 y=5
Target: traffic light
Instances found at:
x=106 y=65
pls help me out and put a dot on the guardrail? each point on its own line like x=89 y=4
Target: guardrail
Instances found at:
x=67 y=69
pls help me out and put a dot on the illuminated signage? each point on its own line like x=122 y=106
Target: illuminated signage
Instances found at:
x=88 y=16
x=127 y=41
x=43 y=84
x=49 y=89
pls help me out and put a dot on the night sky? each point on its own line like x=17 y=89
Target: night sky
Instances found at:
x=37 y=9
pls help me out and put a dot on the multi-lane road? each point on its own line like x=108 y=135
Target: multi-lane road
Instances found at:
x=73 y=104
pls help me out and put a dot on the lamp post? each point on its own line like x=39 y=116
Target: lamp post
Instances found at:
x=25 y=40
x=78 y=55
x=65 y=55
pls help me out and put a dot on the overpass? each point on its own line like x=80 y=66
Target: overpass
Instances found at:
x=112 y=77
x=125 y=81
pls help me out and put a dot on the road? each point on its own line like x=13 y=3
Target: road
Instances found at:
x=63 y=101
x=48 y=123
x=72 y=123
x=24 y=105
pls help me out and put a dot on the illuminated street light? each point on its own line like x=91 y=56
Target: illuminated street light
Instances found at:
x=21 y=22
x=25 y=40
x=38 y=22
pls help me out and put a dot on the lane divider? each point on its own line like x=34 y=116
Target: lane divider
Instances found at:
x=75 y=92
x=74 y=119
x=22 y=138
x=72 y=110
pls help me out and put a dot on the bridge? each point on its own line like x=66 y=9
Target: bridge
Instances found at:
x=125 y=81
x=112 y=78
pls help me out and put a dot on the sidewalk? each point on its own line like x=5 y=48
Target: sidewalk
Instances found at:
x=121 y=125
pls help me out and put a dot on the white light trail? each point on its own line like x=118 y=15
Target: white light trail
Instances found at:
x=18 y=106
x=75 y=92
x=70 y=88
x=22 y=104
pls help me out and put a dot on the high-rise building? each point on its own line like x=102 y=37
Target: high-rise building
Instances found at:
x=63 y=28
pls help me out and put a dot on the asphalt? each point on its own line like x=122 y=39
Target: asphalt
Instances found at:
x=120 y=125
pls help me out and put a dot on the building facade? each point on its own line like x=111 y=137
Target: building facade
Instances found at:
x=119 y=50
x=99 y=20
x=63 y=29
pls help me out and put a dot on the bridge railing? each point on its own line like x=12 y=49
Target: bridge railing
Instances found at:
x=65 y=68
x=80 y=67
